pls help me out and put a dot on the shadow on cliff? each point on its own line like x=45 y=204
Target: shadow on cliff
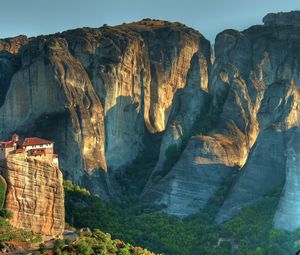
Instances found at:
x=131 y=150
x=9 y=64
x=58 y=127
x=124 y=132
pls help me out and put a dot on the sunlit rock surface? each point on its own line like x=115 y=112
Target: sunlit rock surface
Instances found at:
x=13 y=44
x=35 y=195
x=254 y=85
x=276 y=81
x=96 y=92
x=188 y=106
x=51 y=84
x=136 y=70
x=99 y=92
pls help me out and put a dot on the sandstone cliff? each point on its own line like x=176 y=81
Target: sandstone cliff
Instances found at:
x=35 y=195
x=136 y=70
x=188 y=107
x=254 y=84
x=13 y=44
x=274 y=69
x=97 y=92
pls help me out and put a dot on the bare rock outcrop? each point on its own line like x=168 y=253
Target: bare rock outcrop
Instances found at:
x=9 y=64
x=51 y=82
x=136 y=70
x=254 y=84
x=287 y=216
x=273 y=83
x=35 y=195
x=13 y=44
x=226 y=147
x=282 y=18
x=188 y=106
x=192 y=181
x=263 y=172
x=97 y=92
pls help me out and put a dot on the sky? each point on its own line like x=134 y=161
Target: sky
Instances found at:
x=35 y=17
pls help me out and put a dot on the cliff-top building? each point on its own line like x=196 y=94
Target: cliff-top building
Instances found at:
x=30 y=147
x=35 y=194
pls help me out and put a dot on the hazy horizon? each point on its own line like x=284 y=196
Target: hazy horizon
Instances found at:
x=35 y=17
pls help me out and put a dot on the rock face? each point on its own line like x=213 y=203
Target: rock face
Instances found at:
x=191 y=182
x=274 y=86
x=96 y=92
x=9 y=62
x=288 y=214
x=282 y=18
x=50 y=81
x=254 y=84
x=99 y=92
x=263 y=172
x=188 y=106
x=136 y=70
x=13 y=45
x=8 y=66
x=35 y=195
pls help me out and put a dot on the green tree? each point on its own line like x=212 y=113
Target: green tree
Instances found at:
x=84 y=248
x=3 y=188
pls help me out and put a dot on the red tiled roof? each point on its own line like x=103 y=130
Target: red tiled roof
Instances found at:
x=55 y=155
x=34 y=141
x=6 y=144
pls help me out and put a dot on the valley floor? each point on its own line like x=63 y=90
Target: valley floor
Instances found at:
x=249 y=233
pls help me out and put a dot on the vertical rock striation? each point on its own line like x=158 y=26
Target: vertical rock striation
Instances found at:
x=51 y=82
x=35 y=195
x=189 y=104
x=102 y=89
x=254 y=83
x=136 y=70
x=263 y=172
x=287 y=216
x=274 y=71
x=98 y=92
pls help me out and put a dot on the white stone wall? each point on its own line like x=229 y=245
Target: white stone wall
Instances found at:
x=44 y=146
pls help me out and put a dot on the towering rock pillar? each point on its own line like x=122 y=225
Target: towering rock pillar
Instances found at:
x=35 y=195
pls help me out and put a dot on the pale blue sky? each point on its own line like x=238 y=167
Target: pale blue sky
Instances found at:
x=34 y=17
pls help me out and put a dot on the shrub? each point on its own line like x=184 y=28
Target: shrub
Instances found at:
x=172 y=155
x=59 y=244
x=6 y=213
x=3 y=187
x=171 y=152
x=57 y=251
x=43 y=248
x=84 y=248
